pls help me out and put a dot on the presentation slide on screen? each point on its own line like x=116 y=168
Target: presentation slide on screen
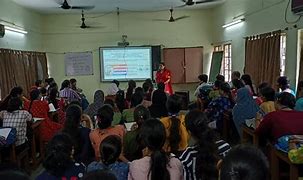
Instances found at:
x=125 y=63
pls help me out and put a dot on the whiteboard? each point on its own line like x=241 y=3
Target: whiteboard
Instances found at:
x=78 y=63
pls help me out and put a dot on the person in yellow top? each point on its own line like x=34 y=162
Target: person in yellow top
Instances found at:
x=176 y=134
x=268 y=97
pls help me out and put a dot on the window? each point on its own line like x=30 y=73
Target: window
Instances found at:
x=226 y=61
x=282 y=54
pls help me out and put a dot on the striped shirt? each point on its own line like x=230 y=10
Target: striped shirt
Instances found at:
x=17 y=119
x=69 y=94
x=188 y=158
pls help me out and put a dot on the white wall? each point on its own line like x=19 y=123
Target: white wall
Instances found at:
x=31 y=21
x=261 y=16
x=61 y=34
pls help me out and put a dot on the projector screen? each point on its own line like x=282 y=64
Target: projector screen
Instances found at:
x=125 y=63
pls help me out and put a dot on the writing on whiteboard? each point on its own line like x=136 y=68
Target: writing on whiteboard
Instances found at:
x=79 y=63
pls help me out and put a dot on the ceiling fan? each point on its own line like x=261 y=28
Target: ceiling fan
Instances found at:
x=192 y=2
x=171 y=18
x=65 y=5
x=84 y=26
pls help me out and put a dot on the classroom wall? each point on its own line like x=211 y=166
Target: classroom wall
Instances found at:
x=61 y=34
x=261 y=16
x=31 y=21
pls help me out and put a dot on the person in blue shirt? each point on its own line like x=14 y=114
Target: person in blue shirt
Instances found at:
x=283 y=84
x=110 y=150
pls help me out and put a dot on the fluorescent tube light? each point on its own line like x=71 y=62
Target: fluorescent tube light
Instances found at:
x=15 y=30
x=233 y=23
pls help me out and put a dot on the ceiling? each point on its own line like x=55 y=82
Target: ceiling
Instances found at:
x=101 y=6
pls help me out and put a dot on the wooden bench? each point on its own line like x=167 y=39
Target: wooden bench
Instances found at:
x=276 y=157
x=248 y=135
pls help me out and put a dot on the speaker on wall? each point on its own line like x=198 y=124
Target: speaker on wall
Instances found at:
x=156 y=57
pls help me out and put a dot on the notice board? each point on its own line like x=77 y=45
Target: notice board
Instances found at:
x=78 y=63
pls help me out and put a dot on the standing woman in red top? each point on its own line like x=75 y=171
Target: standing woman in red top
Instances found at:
x=164 y=75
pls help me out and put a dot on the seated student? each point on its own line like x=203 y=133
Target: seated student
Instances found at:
x=68 y=93
x=130 y=90
x=37 y=107
x=110 y=150
x=295 y=152
x=199 y=161
x=43 y=92
x=59 y=104
x=220 y=77
x=299 y=102
x=237 y=84
x=113 y=89
x=117 y=114
x=283 y=84
x=217 y=107
x=148 y=89
x=100 y=174
x=244 y=162
x=92 y=109
x=203 y=81
x=176 y=134
x=246 y=79
x=131 y=148
x=128 y=114
x=215 y=92
x=104 y=120
x=245 y=108
x=17 y=118
x=158 y=107
x=268 y=98
x=283 y=121
x=155 y=164
x=79 y=134
x=50 y=126
x=146 y=95
x=15 y=92
x=259 y=100
x=48 y=82
x=59 y=162
x=120 y=101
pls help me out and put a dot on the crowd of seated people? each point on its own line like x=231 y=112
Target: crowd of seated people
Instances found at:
x=91 y=141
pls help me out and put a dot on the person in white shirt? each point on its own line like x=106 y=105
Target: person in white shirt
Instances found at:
x=203 y=81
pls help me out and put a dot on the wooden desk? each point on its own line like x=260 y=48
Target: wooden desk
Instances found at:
x=277 y=156
x=248 y=135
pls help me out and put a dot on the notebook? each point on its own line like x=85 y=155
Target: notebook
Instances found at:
x=5 y=132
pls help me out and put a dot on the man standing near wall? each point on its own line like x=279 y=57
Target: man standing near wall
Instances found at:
x=164 y=75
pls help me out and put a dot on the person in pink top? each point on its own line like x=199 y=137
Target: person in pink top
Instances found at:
x=104 y=120
x=155 y=164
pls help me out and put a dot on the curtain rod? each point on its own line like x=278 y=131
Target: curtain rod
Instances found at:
x=18 y=51
x=268 y=33
x=221 y=42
